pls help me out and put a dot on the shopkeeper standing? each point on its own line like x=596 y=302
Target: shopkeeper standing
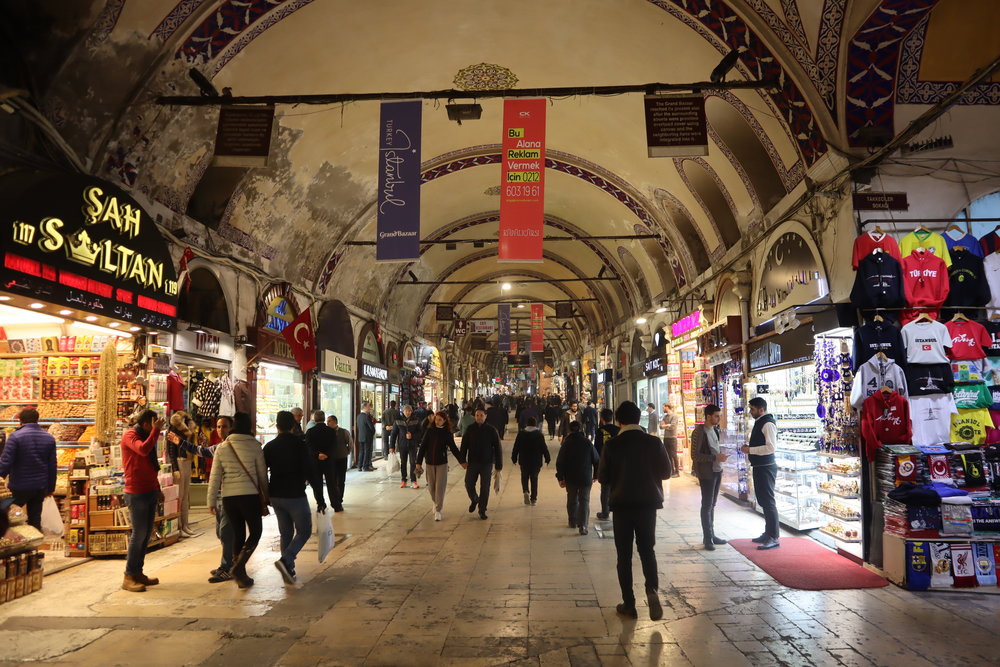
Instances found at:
x=761 y=447
x=142 y=493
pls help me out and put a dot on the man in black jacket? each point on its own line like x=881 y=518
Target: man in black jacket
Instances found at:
x=575 y=471
x=497 y=417
x=590 y=421
x=531 y=448
x=322 y=440
x=409 y=430
x=607 y=430
x=635 y=464
x=481 y=450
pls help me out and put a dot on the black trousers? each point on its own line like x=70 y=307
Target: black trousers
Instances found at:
x=334 y=473
x=31 y=501
x=605 y=497
x=763 y=489
x=639 y=525
x=483 y=473
x=551 y=421
x=709 y=494
x=407 y=460
x=578 y=503
x=529 y=478
x=670 y=444
x=243 y=513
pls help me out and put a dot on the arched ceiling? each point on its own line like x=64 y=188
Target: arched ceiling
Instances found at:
x=317 y=194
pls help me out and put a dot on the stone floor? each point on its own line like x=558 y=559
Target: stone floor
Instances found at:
x=520 y=588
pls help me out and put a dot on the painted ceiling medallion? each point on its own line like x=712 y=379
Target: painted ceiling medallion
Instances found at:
x=484 y=76
x=492 y=191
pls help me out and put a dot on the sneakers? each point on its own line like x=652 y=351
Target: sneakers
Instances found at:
x=770 y=544
x=218 y=576
x=761 y=539
x=627 y=610
x=286 y=574
x=437 y=516
x=534 y=502
x=402 y=484
x=527 y=498
x=133 y=585
x=472 y=505
x=415 y=485
x=655 y=609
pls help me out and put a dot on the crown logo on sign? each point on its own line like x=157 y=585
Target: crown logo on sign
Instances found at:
x=24 y=233
x=81 y=249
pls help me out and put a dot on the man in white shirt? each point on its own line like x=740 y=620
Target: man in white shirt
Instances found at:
x=760 y=448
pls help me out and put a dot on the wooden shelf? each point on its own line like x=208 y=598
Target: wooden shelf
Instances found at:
x=854 y=496
x=837 y=516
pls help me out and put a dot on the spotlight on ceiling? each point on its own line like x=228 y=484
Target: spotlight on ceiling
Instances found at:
x=661 y=309
x=505 y=287
x=196 y=328
x=727 y=63
x=460 y=112
x=640 y=320
x=520 y=305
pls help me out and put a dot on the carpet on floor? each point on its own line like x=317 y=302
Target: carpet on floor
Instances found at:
x=807 y=565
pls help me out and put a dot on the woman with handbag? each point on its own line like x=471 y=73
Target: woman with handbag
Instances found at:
x=239 y=475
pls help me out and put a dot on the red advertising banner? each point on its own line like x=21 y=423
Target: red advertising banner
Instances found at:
x=522 y=180
x=537 y=328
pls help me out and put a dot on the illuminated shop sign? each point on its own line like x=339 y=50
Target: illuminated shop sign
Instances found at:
x=686 y=324
x=372 y=371
x=78 y=241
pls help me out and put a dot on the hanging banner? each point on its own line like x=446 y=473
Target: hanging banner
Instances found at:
x=301 y=338
x=537 y=327
x=522 y=180
x=398 y=237
x=503 y=330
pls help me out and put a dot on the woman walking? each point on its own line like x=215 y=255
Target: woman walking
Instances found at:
x=239 y=475
x=530 y=447
x=291 y=465
x=434 y=446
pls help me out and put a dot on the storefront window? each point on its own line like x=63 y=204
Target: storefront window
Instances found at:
x=278 y=388
x=335 y=400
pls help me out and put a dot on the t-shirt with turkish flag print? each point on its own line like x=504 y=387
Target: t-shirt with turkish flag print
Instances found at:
x=885 y=420
x=869 y=242
x=925 y=342
x=969 y=340
x=925 y=280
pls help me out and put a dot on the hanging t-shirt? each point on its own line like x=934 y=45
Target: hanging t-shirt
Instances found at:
x=930 y=241
x=875 y=374
x=878 y=282
x=175 y=391
x=885 y=419
x=956 y=238
x=991 y=269
x=972 y=395
x=969 y=339
x=931 y=417
x=875 y=337
x=970 y=426
x=867 y=243
x=993 y=329
x=989 y=243
x=924 y=379
x=925 y=342
x=971 y=370
x=925 y=280
x=994 y=396
x=967 y=285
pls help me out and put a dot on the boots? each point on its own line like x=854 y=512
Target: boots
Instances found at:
x=239 y=570
x=133 y=585
x=146 y=581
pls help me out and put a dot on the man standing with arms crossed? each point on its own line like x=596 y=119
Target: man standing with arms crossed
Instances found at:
x=634 y=464
x=760 y=448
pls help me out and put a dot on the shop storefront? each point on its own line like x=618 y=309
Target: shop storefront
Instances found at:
x=277 y=382
x=373 y=380
x=86 y=281
x=338 y=374
x=722 y=347
x=689 y=381
x=654 y=387
x=434 y=389
x=605 y=389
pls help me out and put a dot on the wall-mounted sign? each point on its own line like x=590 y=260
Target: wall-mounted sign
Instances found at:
x=339 y=365
x=719 y=357
x=675 y=125
x=655 y=365
x=880 y=201
x=444 y=313
x=215 y=346
x=373 y=371
x=789 y=274
x=80 y=242
x=763 y=389
x=564 y=310
x=686 y=324
x=460 y=328
x=537 y=327
x=503 y=327
x=606 y=376
x=398 y=214
x=271 y=346
x=522 y=180
x=244 y=136
x=518 y=360
x=483 y=326
x=788 y=349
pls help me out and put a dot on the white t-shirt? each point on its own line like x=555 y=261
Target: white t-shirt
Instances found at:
x=925 y=342
x=931 y=418
x=991 y=267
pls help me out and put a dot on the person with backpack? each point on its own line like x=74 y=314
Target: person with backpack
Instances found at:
x=530 y=448
x=605 y=431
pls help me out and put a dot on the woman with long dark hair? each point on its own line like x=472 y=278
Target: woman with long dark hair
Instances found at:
x=434 y=446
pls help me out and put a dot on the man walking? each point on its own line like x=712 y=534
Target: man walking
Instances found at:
x=706 y=464
x=341 y=451
x=366 y=438
x=760 y=448
x=590 y=421
x=322 y=440
x=635 y=464
x=389 y=419
x=29 y=458
x=496 y=416
x=142 y=493
x=668 y=426
x=575 y=472
x=607 y=430
x=481 y=450
x=410 y=430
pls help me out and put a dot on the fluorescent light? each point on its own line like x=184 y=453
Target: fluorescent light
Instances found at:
x=11 y=316
x=641 y=320
x=36 y=306
x=91 y=318
x=4 y=298
x=65 y=311
x=133 y=328
x=103 y=330
x=505 y=286
x=114 y=325
x=520 y=305
x=661 y=309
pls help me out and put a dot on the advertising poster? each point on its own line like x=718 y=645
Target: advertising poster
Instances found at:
x=522 y=186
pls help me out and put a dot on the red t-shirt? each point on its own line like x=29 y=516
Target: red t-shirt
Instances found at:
x=885 y=420
x=969 y=340
x=867 y=243
x=175 y=391
x=925 y=280
x=140 y=475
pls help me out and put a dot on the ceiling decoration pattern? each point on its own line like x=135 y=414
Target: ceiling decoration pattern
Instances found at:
x=671 y=258
x=873 y=59
x=105 y=23
x=716 y=18
x=484 y=76
x=911 y=90
x=660 y=196
x=175 y=19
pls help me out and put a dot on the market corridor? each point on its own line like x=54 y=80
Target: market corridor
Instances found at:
x=520 y=588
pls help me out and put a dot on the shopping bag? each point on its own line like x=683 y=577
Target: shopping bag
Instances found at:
x=393 y=463
x=324 y=535
x=496 y=481
x=52 y=523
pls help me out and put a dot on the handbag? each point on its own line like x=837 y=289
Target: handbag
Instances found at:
x=264 y=511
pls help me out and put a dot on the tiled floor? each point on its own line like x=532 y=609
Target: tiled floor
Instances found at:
x=520 y=588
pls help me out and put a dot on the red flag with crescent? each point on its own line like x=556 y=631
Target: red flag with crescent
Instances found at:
x=302 y=340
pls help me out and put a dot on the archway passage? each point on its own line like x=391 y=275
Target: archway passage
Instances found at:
x=202 y=301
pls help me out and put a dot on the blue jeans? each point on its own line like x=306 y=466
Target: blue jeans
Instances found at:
x=294 y=525
x=142 y=512
x=224 y=531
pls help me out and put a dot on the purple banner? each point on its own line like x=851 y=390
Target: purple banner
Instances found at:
x=398 y=236
x=503 y=327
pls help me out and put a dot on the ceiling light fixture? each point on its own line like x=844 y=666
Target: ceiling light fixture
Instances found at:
x=661 y=309
x=196 y=328
x=520 y=305
x=4 y=298
x=91 y=318
x=505 y=287
x=133 y=328
x=114 y=325
x=640 y=320
x=36 y=306
x=460 y=112
x=65 y=311
x=10 y=316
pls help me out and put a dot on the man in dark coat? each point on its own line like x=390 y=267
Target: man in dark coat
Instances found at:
x=29 y=458
x=635 y=464
x=530 y=447
x=366 y=437
x=497 y=417
x=590 y=421
x=575 y=471
x=481 y=450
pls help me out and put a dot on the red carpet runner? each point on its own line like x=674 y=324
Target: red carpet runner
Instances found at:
x=804 y=564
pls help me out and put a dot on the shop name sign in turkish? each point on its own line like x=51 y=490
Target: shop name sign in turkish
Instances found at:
x=339 y=365
x=880 y=201
x=482 y=326
x=372 y=371
x=398 y=214
x=654 y=366
x=688 y=327
x=218 y=346
x=522 y=180
x=787 y=349
x=83 y=243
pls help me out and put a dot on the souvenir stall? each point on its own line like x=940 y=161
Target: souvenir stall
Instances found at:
x=689 y=379
x=78 y=300
x=928 y=395
x=373 y=378
x=337 y=375
x=433 y=389
x=722 y=347
x=277 y=382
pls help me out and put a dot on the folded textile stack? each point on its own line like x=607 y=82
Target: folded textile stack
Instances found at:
x=897 y=464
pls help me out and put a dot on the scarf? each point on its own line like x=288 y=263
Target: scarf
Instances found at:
x=940 y=565
x=963 y=565
x=985 y=564
x=918 y=567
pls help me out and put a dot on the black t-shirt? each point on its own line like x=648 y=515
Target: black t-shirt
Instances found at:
x=875 y=337
x=925 y=379
x=993 y=329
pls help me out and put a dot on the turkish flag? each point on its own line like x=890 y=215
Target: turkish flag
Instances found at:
x=300 y=336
